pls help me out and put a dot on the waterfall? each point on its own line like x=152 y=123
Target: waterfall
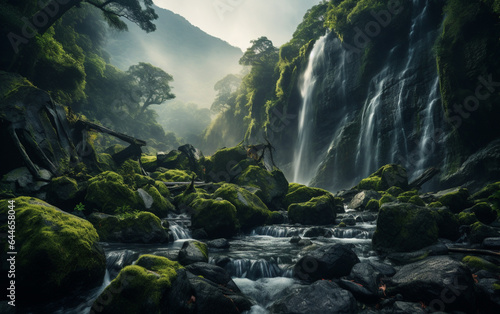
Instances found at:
x=303 y=170
x=350 y=124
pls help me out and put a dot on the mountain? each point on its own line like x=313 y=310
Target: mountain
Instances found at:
x=195 y=59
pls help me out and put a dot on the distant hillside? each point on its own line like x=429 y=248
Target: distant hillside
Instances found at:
x=195 y=59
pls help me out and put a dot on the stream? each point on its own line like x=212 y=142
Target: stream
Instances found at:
x=259 y=262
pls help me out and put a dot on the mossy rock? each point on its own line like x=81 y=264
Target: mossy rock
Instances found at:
x=476 y=263
x=386 y=199
x=320 y=210
x=216 y=217
x=108 y=191
x=143 y=227
x=372 y=206
x=480 y=231
x=299 y=193
x=222 y=162
x=250 y=210
x=173 y=175
x=57 y=253
x=467 y=218
x=272 y=186
x=416 y=200
x=384 y=178
x=193 y=252
x=114 y=149
x=448 y=224
x=63 y=192
x=105 y=162
x=456 y=201
x=174 y=159
x=435 y=205
x=185 y=199
x=139 y=288
x=404 y=228
x=130 y=167
x=484 y=213
x=395 y=191
x=490 y=194
x=406 y=196
x=141 y=181
x=161 y=206
x=149 y=163
x=162 y=188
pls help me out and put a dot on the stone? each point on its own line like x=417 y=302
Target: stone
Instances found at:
x=218 y=244
x=384 y=178
x=456 y=200
x=491 y=243
x=216 y=217
x=327 y=262
x=213 y=273
x=320 y=297
x=404 y=228
x=361 y=199
x=193 y=252
x=440 y=282
x=319 y=210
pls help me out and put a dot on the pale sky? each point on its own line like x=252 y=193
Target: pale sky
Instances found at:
x=239 y=21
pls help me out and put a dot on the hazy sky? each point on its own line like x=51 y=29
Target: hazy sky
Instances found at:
x=239 y=21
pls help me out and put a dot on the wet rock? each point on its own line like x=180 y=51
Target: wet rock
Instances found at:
x=299 y=193
x=440 y=282
x=199 y=234
x=304 y=242
x=213 y=273
x=480 y=231
x=327 y=262
x=489 y=298
x=193 y=252
x=319 y=210
x=295 y=239
x=315 y=232
x=361 y=199
x=320 y=297
x=366 y=275
x=484 y=213
x=141 y=228
x=404 y=227
x=360 y=292
x=400 y=258
x=117 y=260
x=218 y=244
x=384 y=269
x=455 y=199
x=384 y=178
x=401 y=307
x=491 y=243
x=216 y=217
x=349 y=220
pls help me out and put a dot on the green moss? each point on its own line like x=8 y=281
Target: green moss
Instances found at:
x=456 y=201
x=175 y=159
x=217 y=217
x=386 y=199
x=372 y=205
x=342 y=225
x=62 y=189
x=384 y=178
x=477 y=263
x=223 y=161
x=299 y=193
x=161 y=206
x=174 y=175
x=162 y=188
x=416 y=200
x=320 y=210
x=202 y=247
x=484 y=213
x=395 y=191
x=251 y=211
x=435 y=205
x=480 y=231
x=105 y=162
x=467 y=218
x=160 y=265
x=149 y=163
x=108 y=191
x=57 y=252
x=141 y=181
x=272 y=186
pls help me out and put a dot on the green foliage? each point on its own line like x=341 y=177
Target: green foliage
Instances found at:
x=79 y=207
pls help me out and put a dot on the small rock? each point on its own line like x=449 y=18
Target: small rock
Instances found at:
x=218 y=244
x=193 y=252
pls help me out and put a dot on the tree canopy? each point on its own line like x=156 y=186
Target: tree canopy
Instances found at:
x=262 y=52
x=152 y=83
x=225 y=88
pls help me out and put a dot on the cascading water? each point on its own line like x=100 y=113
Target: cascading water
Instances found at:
x=303 y=172
x=358 y=124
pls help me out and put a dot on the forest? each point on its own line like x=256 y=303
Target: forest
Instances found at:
x=148 y=166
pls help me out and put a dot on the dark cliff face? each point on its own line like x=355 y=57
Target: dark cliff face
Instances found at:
x=378 y=106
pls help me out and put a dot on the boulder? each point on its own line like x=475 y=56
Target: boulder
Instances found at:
x=220 y=165
x=320 y=297
x=440 y=282
x=173 y=175
x=447 y=223
x=480 y=231
x=213 y=273
x=108 y=191
x=250 y=210
x=64 y=192
x=456 y=200
x=404 y=227
x=384 y=178
x=154 y=201
x=298 y=193
x=319 y=210
x=476 y=263
x=145 y=288
x=193 y=252
x=216 y=217
x=174 y=159
x=491 y=243
x=57 y=253
x=360 y=201
x=316 y=232
x=272 y=185
x=143 y=227
x=218 y=244
x=327 y=262
x=484 y=213
x=400 y=258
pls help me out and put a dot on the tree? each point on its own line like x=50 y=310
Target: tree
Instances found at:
x=225 y=88
x=262 y=52
x=152 y=83
x=140 y=12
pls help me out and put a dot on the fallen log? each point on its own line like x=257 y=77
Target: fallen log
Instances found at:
x=424 y=177
x=124 y=137
x=474 y=251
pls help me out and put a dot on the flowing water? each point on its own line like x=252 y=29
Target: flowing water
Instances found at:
x=260 y=262
x=349 y=128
